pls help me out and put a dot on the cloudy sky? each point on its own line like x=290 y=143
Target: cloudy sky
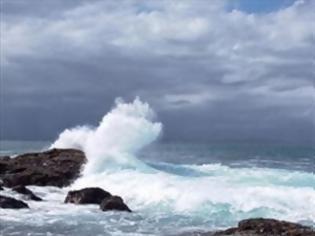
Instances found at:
x=237 y=70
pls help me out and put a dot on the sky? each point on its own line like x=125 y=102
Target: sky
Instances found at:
x=213 y=71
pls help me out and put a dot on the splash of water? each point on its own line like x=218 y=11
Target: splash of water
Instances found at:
x=122 y=132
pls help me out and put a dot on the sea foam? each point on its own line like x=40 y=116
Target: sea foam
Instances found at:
x=203 y=193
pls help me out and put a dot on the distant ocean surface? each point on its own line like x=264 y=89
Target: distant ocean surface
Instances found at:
x=290 y=157
x=171 y=187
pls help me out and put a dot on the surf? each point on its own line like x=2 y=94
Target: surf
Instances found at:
x=203 y=192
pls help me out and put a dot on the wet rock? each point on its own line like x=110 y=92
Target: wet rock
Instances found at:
x=99 y=196
x=28 y=193
x=4 y=165
x=266 y=227
x=114 y=203
x=8 y=202
x=4 y=158
x=87 y=196
x=55 y=167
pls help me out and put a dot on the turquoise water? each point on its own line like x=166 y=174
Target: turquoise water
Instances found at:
x=235 y=155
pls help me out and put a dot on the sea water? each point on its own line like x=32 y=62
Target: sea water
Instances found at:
x=171 y=187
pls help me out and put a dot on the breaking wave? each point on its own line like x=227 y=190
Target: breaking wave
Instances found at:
x=202 y=192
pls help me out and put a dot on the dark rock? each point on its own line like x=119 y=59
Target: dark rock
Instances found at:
x=266 y=227
x=4 y=165
x=87 y=196
x=55 y=167
x=8 y=202
x=23 y=190
x=114 y=203
x=4 y=158
x=97 y=196
x=1 y=188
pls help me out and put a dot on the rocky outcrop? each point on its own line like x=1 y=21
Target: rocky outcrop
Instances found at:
x=55 y=167
x=87 y=196
x=114 y=203
x=98 y=196
x=3 y=161
x=28 y=193
x=9 y=202
x=265 y=227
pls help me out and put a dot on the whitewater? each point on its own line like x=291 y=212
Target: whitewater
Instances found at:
x=166 y=198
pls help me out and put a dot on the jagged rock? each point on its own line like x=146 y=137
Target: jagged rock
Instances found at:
x=9 y=202
x=28 y=193
x=266 y=227
x=114 y=203
x=97 y=196
x=87 y=196
x=55 y=167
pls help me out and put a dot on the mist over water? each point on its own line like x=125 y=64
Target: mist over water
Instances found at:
x=166 y=198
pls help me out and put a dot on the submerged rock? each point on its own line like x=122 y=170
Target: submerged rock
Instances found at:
x=55 y=167
x=114 y=203
x=9 y=202
x=87 y=196
x=266 y=227
x=28 y=193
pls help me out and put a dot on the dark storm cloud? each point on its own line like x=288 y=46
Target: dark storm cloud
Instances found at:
x=210 y=73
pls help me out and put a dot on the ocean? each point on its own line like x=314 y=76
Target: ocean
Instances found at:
x=172 y=187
